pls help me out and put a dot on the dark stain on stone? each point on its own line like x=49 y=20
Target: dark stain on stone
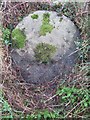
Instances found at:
x=40 y=73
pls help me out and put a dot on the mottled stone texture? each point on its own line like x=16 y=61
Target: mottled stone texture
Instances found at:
x=62 y=37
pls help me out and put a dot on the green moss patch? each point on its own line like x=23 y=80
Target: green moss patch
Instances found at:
x=34 y=16
x=60 y=19
x=18 y=38
x=44 y=52
x=46 y=27
x=46 y=17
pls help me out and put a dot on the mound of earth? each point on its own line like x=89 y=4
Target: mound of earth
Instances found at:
x=48 y=28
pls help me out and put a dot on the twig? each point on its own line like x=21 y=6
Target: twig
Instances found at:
x=50 y=98
x=67 y=104
x=74 y=108
x=76 y=51
x=84 y=12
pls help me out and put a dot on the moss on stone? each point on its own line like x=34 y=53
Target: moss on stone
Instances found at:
x=34 y=16
x=46 y=27
x=46 y=17
x=18 y=38
x=44 y=52
x=60 y=19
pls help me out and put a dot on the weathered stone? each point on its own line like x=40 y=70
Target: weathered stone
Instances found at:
x=62 y=37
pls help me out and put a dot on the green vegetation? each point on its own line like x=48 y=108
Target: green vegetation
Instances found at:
x=34 y=16
x=18 y=38
x=44 y=52
x=60 y=19
x=68 y=96
x=74 y=95
x=73 y=98
x=42 y=115
x=46 y=17
x=5 y=110
x=46 y=26
x=6 y=35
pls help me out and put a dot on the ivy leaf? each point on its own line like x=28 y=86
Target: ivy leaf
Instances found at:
x=46 y=114
x=39 y=116
x=53 y=115
x=6 y=42
x=86 y=104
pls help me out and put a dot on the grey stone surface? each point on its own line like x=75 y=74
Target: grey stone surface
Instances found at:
x=62 y=36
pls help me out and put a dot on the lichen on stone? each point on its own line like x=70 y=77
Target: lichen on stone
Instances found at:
x=18 y=38
x=44 y=52
x=34 y=16
x=46 y=27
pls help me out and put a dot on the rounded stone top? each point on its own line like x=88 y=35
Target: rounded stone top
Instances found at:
x=49 y=28
x=62 y=35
